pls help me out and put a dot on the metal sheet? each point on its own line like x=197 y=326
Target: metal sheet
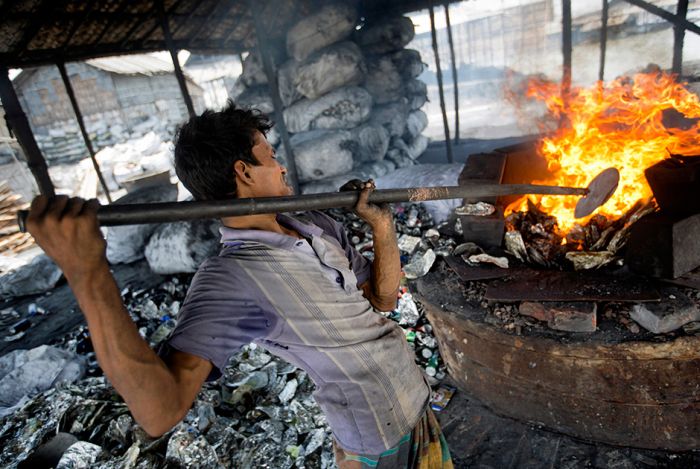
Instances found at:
x=540 y=285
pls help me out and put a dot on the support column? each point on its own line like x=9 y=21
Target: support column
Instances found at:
x=176 y=63
x=272 y=83
x=446 y=126
x=454 y=71
x=19 y=125
x=679 y=37
x=566 y=46
x=81 y=123
x=603 y=40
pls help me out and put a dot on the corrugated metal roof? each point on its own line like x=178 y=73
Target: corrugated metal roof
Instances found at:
x=139 y=64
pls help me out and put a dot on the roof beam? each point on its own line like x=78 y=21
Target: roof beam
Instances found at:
x=208 y=18
x=679 y=37
x=667 y=15
x=176 y=62
x=603 y=40
x=35 y=26
x=116 y=16
x=159 y=23
x=78 y=22
x=566 y=45
x=445 y=124
x=19 y=126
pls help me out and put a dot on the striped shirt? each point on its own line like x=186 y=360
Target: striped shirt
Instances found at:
x=299 y=299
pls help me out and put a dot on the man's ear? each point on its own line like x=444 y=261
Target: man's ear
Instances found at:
x=242 y=171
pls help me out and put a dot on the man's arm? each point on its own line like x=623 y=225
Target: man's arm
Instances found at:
x=158 y=394
x=382 y=288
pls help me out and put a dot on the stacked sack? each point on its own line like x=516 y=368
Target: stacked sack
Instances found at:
x=351 y=97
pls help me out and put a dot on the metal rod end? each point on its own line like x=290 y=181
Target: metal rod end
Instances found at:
x=22 y=220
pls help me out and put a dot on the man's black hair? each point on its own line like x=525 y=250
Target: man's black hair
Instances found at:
x=207 y=146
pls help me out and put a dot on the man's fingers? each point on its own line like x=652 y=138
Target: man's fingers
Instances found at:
x=74 y=207
x=367 y=189
x=38 y=207
x=57 y=206
x=352 y=185
x=91 y=207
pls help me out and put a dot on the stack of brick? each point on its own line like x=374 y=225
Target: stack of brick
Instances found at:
x=350 y=93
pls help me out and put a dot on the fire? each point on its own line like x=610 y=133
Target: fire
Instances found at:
x=623 y=124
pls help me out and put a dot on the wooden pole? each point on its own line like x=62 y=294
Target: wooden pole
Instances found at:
x=81 y=123
x=176 y=63
x=566 y=46
x=603 y=40
x=678 y=38
x=454 y=71
x=446 y=126
x=19 y=125
x=273 y=87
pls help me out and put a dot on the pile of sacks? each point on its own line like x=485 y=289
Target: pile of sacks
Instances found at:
x=351 y=97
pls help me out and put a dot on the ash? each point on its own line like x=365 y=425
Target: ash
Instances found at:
x=260 y=413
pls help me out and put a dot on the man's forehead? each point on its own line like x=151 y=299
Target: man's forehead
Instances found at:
x=260 y=139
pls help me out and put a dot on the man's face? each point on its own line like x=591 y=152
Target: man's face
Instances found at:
x=270 y=176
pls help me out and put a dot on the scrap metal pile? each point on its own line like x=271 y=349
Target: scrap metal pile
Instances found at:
x=261 y=413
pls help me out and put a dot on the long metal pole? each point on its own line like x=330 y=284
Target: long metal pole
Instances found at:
x=19 y=125
x=678 y=37
x=127 y=214
x=272 y=83
x=81 y=123
x=176 y=62
x=454 y=71
x=441 y=90
x=603 y=40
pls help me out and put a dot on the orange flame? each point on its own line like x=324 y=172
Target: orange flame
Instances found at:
x=622 y=124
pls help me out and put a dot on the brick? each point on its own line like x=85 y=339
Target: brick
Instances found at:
x=571 y=317
x=673 y=312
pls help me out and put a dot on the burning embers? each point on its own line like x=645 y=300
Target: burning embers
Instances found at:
x=630 y=124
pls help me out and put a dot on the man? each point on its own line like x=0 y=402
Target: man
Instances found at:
x=292 y=284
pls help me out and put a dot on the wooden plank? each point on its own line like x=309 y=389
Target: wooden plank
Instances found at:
x=551 y=285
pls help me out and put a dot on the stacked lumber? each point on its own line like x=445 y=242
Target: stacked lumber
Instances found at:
x=12 y=241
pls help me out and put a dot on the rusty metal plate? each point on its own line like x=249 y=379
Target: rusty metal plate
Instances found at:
x=540 y=285
x=468 y=273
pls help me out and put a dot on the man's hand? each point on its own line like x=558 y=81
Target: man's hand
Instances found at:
x=374 y=215
x=68 y=232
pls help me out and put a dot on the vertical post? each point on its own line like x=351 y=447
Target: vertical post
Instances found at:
x=19 y=125
x=679 y=37
x=603 y=40
x=173 y=55
x=273 y=87
x=81 y=123
x=566 y=46
x=446 y=126
x=454 y=71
